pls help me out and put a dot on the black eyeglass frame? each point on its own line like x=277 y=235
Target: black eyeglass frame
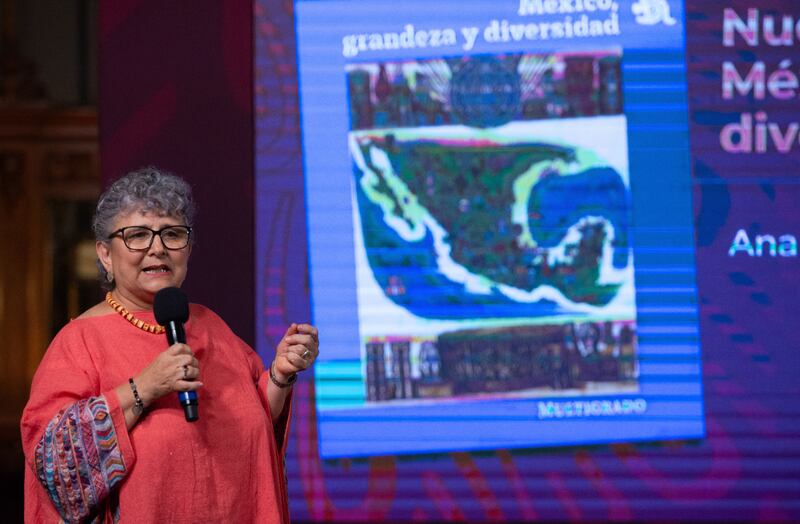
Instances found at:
x=121 y=234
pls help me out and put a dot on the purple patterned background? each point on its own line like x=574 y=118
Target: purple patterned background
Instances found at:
x=748 y=466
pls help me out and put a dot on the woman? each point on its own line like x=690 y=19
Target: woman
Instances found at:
x=103 y=433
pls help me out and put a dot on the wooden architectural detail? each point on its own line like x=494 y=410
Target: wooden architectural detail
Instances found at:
x=69 y=167
x=19 y=79
x=12 y=172
x=48 y=157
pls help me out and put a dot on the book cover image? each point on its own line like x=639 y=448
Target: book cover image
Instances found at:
x=490 y=221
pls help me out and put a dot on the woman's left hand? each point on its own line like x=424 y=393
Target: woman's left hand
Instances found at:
x=296 y=351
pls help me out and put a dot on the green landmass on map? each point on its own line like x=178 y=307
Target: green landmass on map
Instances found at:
x=506 y=207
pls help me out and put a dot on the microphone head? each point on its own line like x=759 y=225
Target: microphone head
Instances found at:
x=171 y=305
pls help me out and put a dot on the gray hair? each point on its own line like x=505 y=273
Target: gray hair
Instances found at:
x=147 y=190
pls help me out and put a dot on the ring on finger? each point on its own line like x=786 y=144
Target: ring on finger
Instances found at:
x=305 y=354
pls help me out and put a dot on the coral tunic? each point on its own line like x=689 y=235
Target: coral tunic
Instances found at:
x=84 y=465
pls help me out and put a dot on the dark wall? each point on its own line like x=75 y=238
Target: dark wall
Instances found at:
x=176 y=92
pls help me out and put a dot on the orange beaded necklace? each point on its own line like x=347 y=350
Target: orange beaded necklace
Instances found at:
x=127 y=315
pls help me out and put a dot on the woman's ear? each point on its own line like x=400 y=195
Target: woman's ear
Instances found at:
x=104 y=255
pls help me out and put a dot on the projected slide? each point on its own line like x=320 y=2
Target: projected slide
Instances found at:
x=497 y=228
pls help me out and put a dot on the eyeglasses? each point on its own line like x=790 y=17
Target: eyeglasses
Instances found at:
x=140 y=238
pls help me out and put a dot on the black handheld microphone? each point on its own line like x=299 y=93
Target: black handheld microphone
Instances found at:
x=171 y=308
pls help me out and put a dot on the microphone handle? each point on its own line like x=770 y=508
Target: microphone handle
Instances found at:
x=175 y=332
x=187 y=399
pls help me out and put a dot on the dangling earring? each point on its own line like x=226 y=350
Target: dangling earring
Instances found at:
x=110 y=277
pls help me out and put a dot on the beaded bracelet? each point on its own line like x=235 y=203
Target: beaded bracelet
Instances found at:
x=138 y=406
x=281 y=385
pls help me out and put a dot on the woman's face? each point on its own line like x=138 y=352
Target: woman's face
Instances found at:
x=139 y=275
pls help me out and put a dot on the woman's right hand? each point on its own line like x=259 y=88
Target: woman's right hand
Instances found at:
x=175 y=369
